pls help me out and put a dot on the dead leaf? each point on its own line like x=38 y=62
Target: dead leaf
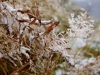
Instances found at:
x=50 y=28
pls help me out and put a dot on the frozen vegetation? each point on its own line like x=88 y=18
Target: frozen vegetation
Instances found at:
x=37 y=38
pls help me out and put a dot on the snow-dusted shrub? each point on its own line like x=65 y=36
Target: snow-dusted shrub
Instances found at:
x=25 y=40
x=28 y=39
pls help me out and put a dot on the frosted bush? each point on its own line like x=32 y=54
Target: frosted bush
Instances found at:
x=80 y=28
x=28 y=38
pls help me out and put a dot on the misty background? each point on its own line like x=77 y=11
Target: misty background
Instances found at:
x=91 y=6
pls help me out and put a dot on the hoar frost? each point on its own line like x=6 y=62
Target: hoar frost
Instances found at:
x=80 y=28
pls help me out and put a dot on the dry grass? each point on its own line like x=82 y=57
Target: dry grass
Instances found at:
x=36 y=39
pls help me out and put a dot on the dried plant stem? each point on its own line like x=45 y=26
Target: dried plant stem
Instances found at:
x=56 y=61
x=20 y=68
x=48 y=62
x=7 y=36
x=3 y=68
x=3 y=71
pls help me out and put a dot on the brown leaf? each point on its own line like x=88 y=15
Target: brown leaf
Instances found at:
x=50 y=28
x=2 y=0
x=35 y=17
x=23 y=20
x=39 y=21
x=24 y=11
x=30 y=15
x=32 y=22
x=37 y=13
